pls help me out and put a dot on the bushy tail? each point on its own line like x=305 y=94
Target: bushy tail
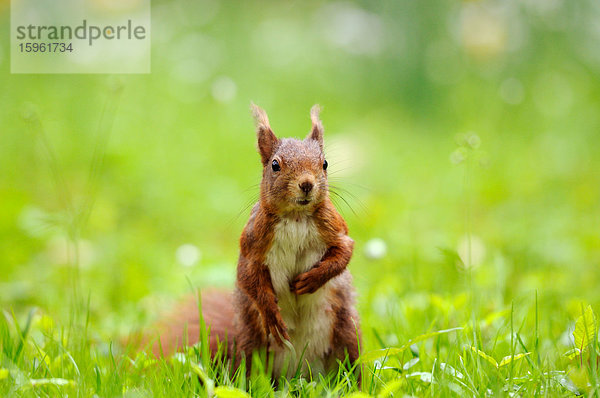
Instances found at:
x=181 y=327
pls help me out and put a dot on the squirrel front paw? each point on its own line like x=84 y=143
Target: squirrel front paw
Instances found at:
x=307 y=282
x=276 y=327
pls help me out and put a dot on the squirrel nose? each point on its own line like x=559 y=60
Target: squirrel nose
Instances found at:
x=306 y=186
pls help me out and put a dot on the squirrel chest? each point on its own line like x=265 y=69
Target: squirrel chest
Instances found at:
x=297 y=246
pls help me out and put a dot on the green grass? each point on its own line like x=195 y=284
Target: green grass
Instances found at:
x=468 y=171
x=42 y=358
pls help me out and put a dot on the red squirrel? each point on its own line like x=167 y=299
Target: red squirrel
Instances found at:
x=292 y=279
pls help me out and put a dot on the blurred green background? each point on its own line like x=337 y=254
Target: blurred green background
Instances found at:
x=448 y=125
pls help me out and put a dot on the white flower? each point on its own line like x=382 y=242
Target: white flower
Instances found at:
x=188 y=255
x=375 y=249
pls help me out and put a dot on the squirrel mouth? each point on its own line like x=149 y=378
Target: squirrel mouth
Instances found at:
x=303 y=202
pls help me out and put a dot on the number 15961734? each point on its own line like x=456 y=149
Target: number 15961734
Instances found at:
x=46 y=47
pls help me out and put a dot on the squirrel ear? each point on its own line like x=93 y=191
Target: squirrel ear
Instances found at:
x=316 y=132
x=265 y=137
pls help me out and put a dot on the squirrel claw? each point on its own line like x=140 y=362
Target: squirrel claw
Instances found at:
x=276 y=327
x=279 y=334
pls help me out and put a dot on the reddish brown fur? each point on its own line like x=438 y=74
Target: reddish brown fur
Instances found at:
x=182 y=326
x=255 y=307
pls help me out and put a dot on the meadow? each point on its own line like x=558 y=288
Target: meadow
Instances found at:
x=460 y=138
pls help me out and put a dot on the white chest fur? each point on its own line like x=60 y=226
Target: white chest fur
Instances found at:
x=297 y=247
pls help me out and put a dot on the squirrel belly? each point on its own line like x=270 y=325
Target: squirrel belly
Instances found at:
x=296 y=247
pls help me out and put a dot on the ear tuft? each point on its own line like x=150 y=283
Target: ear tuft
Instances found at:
x=267 y=141
x=260 y=117
x=316 y=132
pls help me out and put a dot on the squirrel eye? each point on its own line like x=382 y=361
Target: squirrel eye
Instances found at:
x=325 y=165
x=275 y=165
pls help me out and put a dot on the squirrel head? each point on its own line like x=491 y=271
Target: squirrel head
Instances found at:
x=294 y=171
